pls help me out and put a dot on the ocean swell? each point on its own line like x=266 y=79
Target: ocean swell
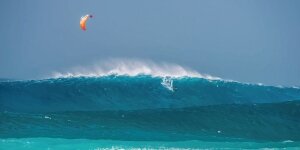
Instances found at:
x=121 y=92
x=133 y=100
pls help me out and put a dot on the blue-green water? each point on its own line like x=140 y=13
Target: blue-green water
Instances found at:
x=70 y=144
x=122 y=112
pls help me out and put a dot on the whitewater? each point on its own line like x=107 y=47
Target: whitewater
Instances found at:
x=130 y=104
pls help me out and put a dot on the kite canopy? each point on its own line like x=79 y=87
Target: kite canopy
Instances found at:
x=83 y=21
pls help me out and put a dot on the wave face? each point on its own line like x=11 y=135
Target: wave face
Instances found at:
x=148 y=108
x=132 y=93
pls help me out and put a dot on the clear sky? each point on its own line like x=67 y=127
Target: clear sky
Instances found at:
x=244 y=40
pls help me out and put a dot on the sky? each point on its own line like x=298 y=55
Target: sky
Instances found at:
x=255 y=41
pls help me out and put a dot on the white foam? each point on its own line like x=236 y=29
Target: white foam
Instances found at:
x=132 y=67
x=167 y=82
x=288 y=141
x=260 y=84
x=47 y=117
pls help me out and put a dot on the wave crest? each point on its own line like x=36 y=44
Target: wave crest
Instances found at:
x=132 y=68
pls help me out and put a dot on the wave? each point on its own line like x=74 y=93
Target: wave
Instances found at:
x=121 y=92
x=134 y=100
x=229 y=122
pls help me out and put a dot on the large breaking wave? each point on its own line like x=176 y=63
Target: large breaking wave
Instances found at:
x=134 y=101
x=131 y=93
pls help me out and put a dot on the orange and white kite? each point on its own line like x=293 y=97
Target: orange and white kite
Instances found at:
x=83 y=21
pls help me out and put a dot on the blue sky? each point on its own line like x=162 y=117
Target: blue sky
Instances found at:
x=247 y=40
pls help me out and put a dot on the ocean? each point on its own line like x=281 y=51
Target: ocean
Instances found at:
x=147 y=112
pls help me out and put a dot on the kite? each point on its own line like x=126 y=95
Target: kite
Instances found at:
x=83 y=21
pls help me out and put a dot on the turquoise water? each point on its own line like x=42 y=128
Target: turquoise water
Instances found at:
x=65 y=144
x=123 y=112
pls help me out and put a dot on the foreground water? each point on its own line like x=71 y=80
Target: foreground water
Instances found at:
x=122 y=112
x=71 y=144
